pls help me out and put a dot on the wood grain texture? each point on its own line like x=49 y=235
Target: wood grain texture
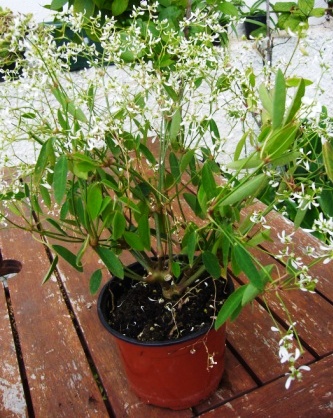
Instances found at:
x=12 y=401
x=59 y=377
x=311 y=398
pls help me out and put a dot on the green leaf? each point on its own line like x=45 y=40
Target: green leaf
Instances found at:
x=328 y=158
x=84 y=6
x=250 y=293
x=317 y=12
x=212 y=264
x=45 y=154
x=94 y=200
x=306 y=6
x=68 y=105
x=60 y=178
x=57 y=4
x=300 y=215
x=191 y=242
x=208 y=181
x=246 y=189
x=231 y=305
x=228 y=8
x=283 y=6
x=50 y=270
x=174 y=166
x=245 y=262
x=118 y=225
x=144 y=231
x=45 y=196
x=193 y=203
x=56 y=225
x=186 y=159
x=119 y=7
x=171 y=93
x=111 y=261
x=245 y=163
x=95 y=281
x=279 y=142
x=134 y=241
x=175 y=125
x=296 y=103
x=68 y=256
x=240 y=145
x=279 y=100
x=176 y=269
x=266 y=99
x=82 y=250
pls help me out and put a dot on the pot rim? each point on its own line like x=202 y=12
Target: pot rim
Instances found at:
x=164 y=343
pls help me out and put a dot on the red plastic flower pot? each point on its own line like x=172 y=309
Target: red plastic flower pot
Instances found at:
x=174 y=374
x=178 y=375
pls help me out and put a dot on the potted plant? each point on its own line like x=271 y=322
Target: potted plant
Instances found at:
x=128 y=159
x=254 y=17
x=10 y=53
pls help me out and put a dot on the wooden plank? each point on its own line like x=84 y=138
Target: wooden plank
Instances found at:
x=312 y=313
x=12 y=401
x=235 y=381
x=301 y=239
x=313 y=397
x=59 y=377
x=102 y=345
x=251 y=336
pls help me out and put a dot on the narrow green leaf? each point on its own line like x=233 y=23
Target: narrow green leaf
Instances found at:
x=51 y=269
x=212 y=264
x=95 y=281
x=134 y=241
x=94 y=200
x=247 y=189
x=175 y=268
x=300 y=215
x=111 y=261
x=82 y=250
x=171 y=93
x=175 y=125
x=68 y=256
x=230 y=306
x=191 y=246
x=45 y=196
x=240 y=145
x=56 y=225
x=245 y=262
x=279 y=100
x=42 y=160
x=118 y=225
x=60 y=178
x=174 y=166
x=251 y=292
x=296 y=103
x=208 y=181
x=193 y=203
x=266 y=99
x=185 y=160
x=144 y=231
x=328 y=158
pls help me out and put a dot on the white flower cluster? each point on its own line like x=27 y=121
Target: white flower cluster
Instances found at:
x=288 y=353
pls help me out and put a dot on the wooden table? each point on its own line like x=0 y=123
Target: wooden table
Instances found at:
x=58 y=361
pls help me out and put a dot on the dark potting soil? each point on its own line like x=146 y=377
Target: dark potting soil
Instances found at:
x=140 y=311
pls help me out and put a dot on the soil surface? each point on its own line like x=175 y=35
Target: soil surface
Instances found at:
x=139 y=310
